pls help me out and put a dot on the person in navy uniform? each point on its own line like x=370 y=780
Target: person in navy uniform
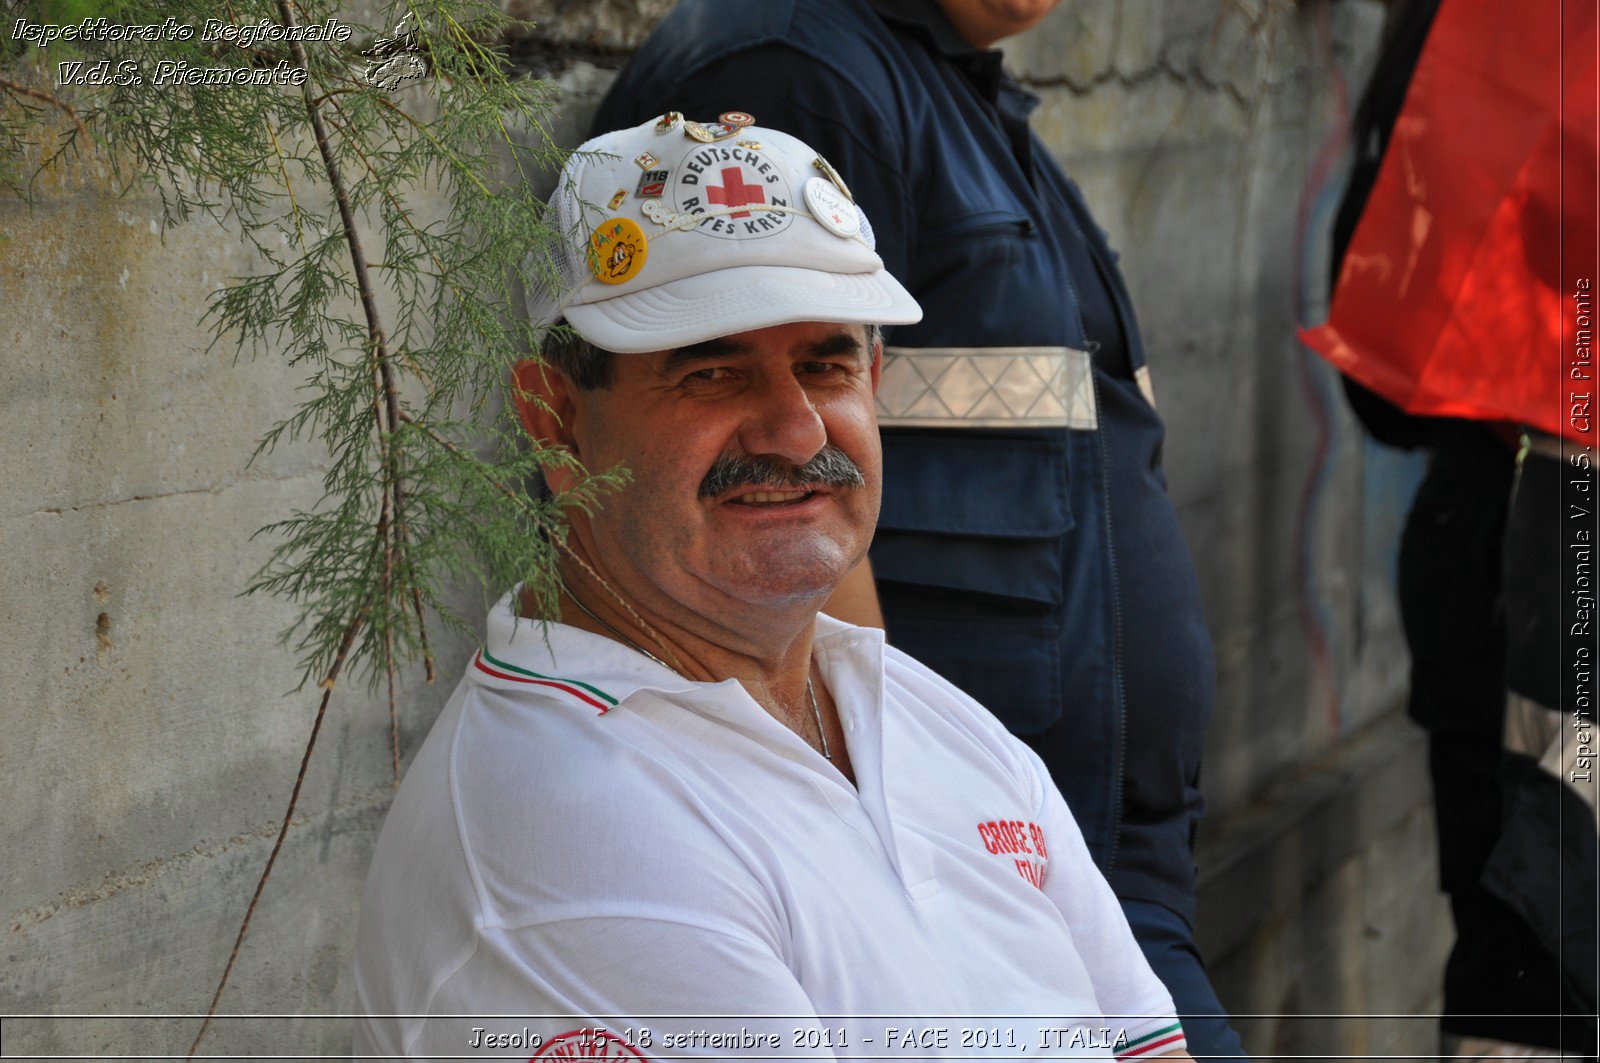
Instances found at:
x=1027 y=548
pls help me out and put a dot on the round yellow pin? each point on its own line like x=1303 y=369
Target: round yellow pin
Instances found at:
x=617 y=251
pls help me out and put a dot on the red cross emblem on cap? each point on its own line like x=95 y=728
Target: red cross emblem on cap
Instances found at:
x=735 y=193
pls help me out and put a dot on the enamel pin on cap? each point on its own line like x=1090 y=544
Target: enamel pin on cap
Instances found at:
x=647 y=161
x=668 y=122
x=707 y=132
x=617 y=251
x=833 y=175
x=829 y=206
x=652 y=183
x=737 y=118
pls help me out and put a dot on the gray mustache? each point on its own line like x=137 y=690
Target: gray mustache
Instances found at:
x=831 y=467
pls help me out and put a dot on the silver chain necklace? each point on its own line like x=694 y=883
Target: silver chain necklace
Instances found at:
x=811 y=694
x=816 y=714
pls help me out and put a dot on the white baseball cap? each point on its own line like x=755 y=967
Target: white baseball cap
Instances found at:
x=675 y=231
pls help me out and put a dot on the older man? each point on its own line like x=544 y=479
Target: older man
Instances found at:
x=1027 y=549
x=694 y=816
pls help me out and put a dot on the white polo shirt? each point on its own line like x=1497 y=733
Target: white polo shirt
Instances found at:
x=586 y=839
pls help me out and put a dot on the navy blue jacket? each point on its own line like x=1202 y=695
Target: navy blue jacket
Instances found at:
x=1040 y=569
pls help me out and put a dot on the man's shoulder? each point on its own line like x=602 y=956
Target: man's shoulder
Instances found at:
x=731 y=43
x=699 y=32
x=526 y=805
x=502 y=751
x=545 y=749
x=539 y=789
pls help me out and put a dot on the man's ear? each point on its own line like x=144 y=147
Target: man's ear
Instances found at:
x=877 y=363
x=545 y=403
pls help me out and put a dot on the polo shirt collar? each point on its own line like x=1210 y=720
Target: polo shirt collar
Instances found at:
x=603 y=672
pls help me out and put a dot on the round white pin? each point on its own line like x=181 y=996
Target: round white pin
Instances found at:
x=830 y=207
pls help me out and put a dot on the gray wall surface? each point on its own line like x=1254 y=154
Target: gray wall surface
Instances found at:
x=152 y=734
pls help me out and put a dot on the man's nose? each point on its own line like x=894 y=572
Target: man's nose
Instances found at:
x=782 y=422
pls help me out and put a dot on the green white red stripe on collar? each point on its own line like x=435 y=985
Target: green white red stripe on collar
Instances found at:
x=1163 y=1040
x=585 y=692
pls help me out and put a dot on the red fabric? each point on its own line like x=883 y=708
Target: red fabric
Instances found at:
x=1468 y=286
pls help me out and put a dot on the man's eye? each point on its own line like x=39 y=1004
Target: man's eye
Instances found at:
x=822 y=368
x=713 y=375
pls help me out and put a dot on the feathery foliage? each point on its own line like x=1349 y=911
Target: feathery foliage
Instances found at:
x=403 y=514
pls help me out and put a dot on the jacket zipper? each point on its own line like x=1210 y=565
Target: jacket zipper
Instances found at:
x=1118 y=693
x=1128 y=341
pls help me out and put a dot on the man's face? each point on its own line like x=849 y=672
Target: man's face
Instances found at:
x=983 y=22
x=700 y=428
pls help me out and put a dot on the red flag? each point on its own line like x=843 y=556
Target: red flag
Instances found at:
x=1468 y=286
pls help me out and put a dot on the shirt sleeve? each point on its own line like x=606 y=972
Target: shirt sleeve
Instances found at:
x=608 y=986
x=1132 y=999
x=847 y=121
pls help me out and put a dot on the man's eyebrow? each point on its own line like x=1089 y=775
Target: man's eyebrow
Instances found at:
x=699 y=352
x=838 y=343
x=722 y=347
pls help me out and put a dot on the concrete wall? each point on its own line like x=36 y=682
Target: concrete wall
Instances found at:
x=151 y=731
x=151 y=742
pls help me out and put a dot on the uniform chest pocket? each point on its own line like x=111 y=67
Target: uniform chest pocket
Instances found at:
x=968 y=563
x=980 y=225
x=991 y=249
x=973 y=511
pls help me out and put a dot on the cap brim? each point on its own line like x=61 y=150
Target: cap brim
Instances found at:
x=729 y=301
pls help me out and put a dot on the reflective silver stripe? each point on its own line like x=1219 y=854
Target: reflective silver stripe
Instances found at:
x=1141 y=376
x=986 y=387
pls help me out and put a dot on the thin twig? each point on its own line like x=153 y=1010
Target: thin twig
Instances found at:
x=428 y=672
x=404 y=215
x=394 y=716
x=327 y=685
x=385 y=429
x=390 y=395
x=288 y=185
x=389 y=529
x=330 y=94
x=53 y=101
x=391 y=536
x=392 y=403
